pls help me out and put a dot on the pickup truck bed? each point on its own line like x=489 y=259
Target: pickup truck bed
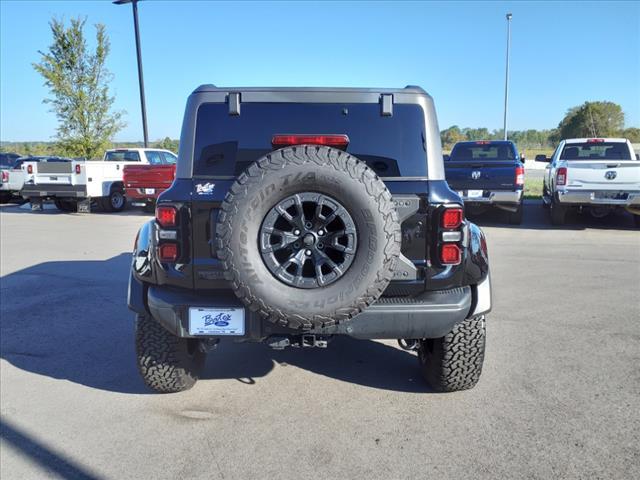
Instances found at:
x=143 y=183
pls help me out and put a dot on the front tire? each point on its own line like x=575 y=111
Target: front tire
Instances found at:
x=558 y=213
x=515 y=218
x=66 y=205
x=168 y=364
x=454 y=362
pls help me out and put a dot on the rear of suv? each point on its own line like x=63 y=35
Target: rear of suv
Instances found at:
x=298 y=214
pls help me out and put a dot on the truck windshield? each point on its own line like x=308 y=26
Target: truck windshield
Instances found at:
x=121 y=156
x=482 y=151
x=596 y=151
x=392 y=146
x=7 y=160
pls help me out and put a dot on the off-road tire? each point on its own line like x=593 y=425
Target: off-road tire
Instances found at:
x=167 y=363
x=66 y=205
x=308 y=168
x=558 y=213
x=515 y=218
x=454 y=362
x=636 y=220
x=149 y=207
x=110 y=204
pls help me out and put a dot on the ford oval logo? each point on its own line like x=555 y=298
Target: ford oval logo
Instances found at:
x=475 y=174
x=611 y=174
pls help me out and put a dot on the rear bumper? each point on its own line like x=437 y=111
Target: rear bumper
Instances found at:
x=53 y=190
x=430 y=315
x=140 y=194
x=495 y=198
x=582 y=197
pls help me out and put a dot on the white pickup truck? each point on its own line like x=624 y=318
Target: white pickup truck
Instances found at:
x=595 y=174
x=73 y=186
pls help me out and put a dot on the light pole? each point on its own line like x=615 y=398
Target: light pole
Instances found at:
x=134 y=4
x=506 y=79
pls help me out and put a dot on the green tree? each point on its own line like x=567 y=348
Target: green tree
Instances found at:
x=168 y=144
x=632 y=134
x=451 y=136
x=592 y=119
x=78 y=81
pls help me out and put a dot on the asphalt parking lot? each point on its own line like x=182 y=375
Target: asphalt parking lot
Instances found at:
x=559 y=395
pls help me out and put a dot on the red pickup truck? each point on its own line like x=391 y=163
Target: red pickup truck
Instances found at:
x=143 y=183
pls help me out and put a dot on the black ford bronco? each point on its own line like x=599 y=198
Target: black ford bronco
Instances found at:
x=298 y=214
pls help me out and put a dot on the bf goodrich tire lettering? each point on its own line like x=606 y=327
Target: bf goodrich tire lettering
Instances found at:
x=304 y=169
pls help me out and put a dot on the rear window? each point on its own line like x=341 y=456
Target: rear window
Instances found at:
x=122 y=156
x=473 y=151
x=7 y=159
x=596 y=151
x=391 y=145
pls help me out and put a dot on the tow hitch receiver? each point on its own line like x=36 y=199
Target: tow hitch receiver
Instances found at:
x=409 y=344
x=281 y=342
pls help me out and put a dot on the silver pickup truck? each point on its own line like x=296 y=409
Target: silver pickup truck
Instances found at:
x=599 y=175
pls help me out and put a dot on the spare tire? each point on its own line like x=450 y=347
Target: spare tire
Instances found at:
x=308 y=236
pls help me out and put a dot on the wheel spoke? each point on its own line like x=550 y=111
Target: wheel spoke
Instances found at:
x=346 y=249
x=286 y=239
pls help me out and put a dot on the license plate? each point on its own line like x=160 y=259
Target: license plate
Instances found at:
x=149 y=191
x=474 y=193
x=58 y=179
x=216 y=321
x=611 y=195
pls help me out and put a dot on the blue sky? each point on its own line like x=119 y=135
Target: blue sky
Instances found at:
x=563 y=53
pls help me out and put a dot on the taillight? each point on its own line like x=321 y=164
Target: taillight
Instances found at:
x=29 y=169
x=452 y=218
x=450 y=236
x=595 y=140
x=77 y=169
x=483 y=142
x=561 y=176
x=339 y=141
x=5 y=176
x=519 y=176
x=166 y=216
x=168 y=252
x=450 y=254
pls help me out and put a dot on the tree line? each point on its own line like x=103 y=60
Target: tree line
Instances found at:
x=591 y=119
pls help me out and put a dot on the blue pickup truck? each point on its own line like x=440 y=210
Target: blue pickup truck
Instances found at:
x=487 y=174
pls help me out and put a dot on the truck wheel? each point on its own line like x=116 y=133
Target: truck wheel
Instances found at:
x=558 y=213
x=149 y=207
x=636 y=220
x=66 y=205
x=454 y=362
x=326 y=233
x=515 y=218
x=115 y=202
x=5 y=197
x=167 y=363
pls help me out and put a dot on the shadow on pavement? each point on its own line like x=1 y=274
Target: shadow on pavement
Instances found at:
x=361 y=362
x=69 y=320
x=535 y=217
x=39 y=453
x=50 y=209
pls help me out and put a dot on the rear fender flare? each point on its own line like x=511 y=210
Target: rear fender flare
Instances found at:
x=142 y=261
